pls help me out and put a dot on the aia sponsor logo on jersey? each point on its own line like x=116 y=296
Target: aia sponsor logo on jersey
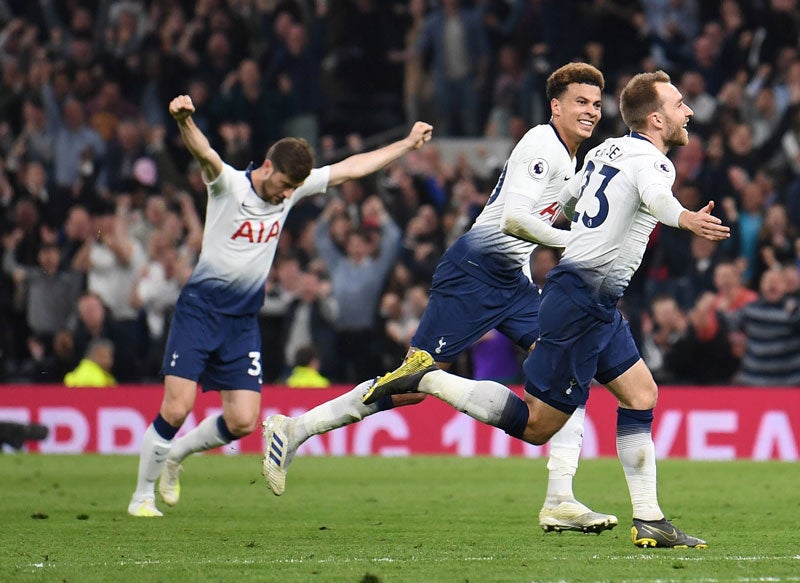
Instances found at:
x=549 y=213
x=257 y=231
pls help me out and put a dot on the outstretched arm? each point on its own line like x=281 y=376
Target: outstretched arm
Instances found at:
x=182 y=108
x=360 y=165
x=704 y=224
x=666 y=208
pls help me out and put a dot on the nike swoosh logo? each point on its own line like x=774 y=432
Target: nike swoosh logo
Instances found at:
x=567 y=178
x=670 y=536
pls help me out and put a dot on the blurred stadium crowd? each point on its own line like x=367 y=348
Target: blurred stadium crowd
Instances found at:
x=101 y=207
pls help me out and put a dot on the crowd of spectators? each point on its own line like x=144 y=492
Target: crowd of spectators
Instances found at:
x=101 y=207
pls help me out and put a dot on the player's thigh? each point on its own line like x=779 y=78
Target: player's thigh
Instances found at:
x=621 y=369
x=520 y=315
x=619 y=352
x=193 y=335
x=453 y=318
x=460 y=310
x=241 y=410
x=560 y=369
x=635 y=388
x=236 y=364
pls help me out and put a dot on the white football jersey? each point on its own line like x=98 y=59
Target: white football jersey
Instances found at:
x=240 y=240
x=621 y=181
x=538 y=168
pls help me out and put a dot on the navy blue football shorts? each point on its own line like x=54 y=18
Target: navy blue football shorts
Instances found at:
x=574 y=347
x=220 y=351
x=463 y=308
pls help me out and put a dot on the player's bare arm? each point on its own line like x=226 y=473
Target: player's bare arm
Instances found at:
x=360 y=165
x=703 y=224
x=181 y=109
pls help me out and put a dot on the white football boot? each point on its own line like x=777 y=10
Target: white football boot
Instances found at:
x=278 y=451
x=169 y=485
x=575 y=516
x=144 y=507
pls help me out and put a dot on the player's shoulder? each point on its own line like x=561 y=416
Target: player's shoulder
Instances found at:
x=651 y=160
x=315 y=183
x=317 y=180
x=638 y=154
x=229 y=174
x=543 y=136
x=228 y=180
x=231 y=171
x=542 y=150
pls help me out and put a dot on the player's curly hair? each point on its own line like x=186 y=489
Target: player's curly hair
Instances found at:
x=640 y=98
x=562 y=77
x=292 y=157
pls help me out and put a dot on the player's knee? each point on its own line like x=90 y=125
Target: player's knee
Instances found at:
x=240 y=430
x=539 y=430
x=179 y=395
x=645 y=398
x=537 y=436
x=242 y=425
x=543 y=422
x=175 y=412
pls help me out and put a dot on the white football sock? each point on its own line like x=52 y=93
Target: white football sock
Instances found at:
x=343 y=410
x=203 y=437
x=637 y=453
x=487 y=401
x=565 y=449
x=151 y=457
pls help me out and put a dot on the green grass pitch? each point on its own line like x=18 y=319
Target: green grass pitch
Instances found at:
x=386 y=520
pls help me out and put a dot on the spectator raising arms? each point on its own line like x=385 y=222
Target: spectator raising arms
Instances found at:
x=358 y=276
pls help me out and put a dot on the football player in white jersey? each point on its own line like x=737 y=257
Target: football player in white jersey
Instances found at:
x=214 y=337
x=483 y=282
x=623 y=190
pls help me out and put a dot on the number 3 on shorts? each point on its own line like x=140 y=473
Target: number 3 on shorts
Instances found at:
x=255 y=364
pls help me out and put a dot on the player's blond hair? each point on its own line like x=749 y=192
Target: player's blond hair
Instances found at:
x=640 y=98
x=561 y=78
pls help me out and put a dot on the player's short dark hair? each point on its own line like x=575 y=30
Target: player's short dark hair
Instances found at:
x=640 y=98
x=292 y=157
x=561 y=78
